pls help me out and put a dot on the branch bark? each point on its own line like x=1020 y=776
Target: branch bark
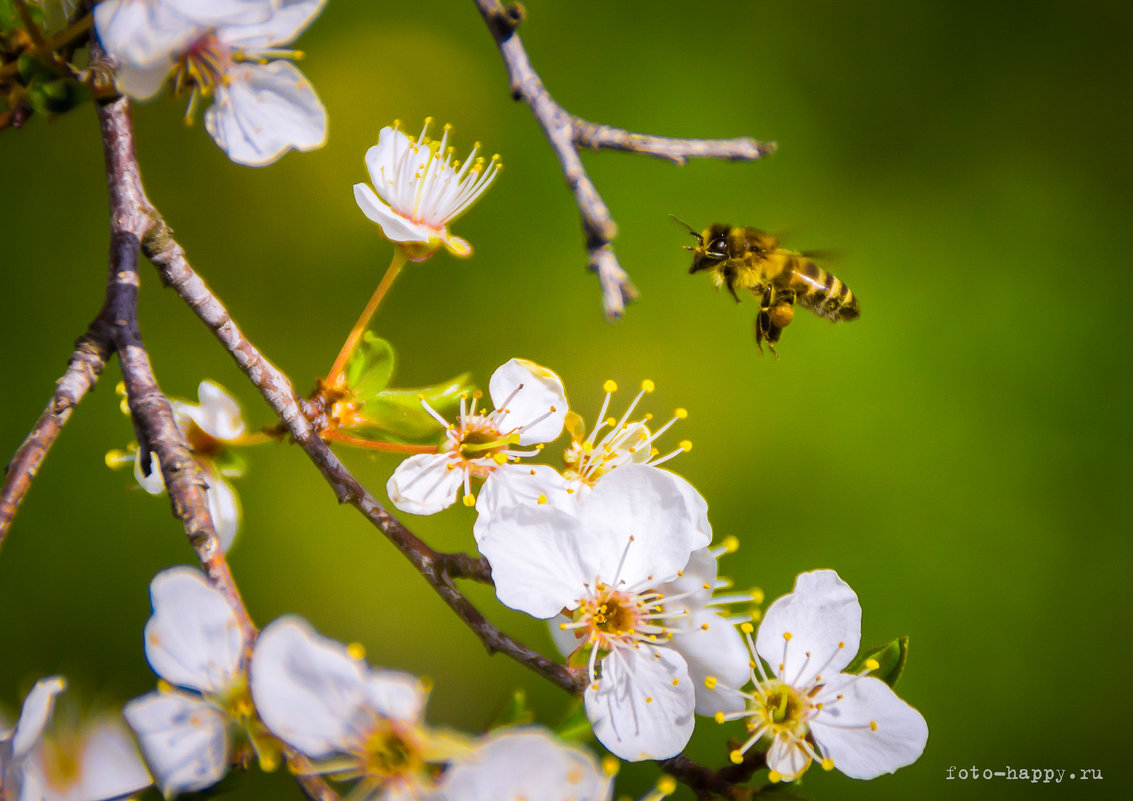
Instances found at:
x=566 y=133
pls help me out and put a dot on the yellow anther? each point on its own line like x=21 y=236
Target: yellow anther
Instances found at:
x=704 y=627
x=828 y=764
x=757 y=595
x=873 y=725
x=686 y=445
x=610 y=421
x=710 y=682
x=681 y=414
x=610 y=765
x=428 y=121
x=787 y=635
x=737 y=757
x=676 y=682
x=541 y=499
x=775 y=777
x=648 y=385
x=164 y=686
x=747 y=628
x=477 y=394
x=719 y=717
x=421 y=396
x=499 y=458
x=469 y=500
x=756 y=614
x=356 y=650
x=610 y=386
x=872 y=664
x=649 y=699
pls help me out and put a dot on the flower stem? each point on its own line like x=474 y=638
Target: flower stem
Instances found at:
x=392 y=447
x=359 y=327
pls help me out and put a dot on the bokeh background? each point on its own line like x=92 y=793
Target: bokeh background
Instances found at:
x=960 y=455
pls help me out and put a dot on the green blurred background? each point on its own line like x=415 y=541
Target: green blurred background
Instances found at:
x=960 y=455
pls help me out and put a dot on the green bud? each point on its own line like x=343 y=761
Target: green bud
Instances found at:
x=890 y=657
x=58 y=96
x=514 y=713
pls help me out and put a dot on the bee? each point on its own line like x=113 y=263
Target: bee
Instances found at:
x=747 y=258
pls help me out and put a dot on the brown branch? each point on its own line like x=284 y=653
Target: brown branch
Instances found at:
x=85 y=366
x=726 y=782
x=149 y=407
x=277 y=390
x=566 y=133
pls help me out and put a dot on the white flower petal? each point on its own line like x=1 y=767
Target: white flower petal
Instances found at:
x=221 y=13
x=193 y=639
x=143 y=33
x=224 y=507
x=394 y=227
x=711 y=646
x=141 y=83
x=426 y=483
x=31 y=788
x=218 y=414
x=108 y=766
x=843 y=731
x=154 y=483
x=640 y=525
x=533 y=487
x=787 y=757
x=393 y=152
x=824 y=619
x=396 y=695
x=643 y=706
x=526 y=763
x=284 y=25
x=183 y=738
x=536 y=559
x=34 y=716
x=535 y=401
x=263 y=111
x=307 y=688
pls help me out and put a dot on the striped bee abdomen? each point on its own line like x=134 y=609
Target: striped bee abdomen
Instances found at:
x=821 y=292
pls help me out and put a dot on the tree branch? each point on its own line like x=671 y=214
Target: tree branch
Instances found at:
x=566 y=133
x=149 y=407
x=91 y=353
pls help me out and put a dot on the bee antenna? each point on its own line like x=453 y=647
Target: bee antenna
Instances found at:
x=691 y=230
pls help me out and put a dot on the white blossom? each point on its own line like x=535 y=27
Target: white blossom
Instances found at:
x=530 y=406
x=96 y=760
x=418 y=189
x=195 y=644
x=526 y=763
x=351 y=721
x=806 y=707
x=605 y=560
x=228 y=48
x=209 y=427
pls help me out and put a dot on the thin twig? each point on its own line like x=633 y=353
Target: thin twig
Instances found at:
x=86 y=364
x=566 y=133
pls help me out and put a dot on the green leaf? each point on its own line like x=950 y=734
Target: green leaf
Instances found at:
x=396 y=415
x=890 y=657
x=370 y=367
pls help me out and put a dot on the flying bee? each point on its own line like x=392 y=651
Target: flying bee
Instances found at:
x=747 y=258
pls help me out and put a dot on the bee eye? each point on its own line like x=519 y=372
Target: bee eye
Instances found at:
x=718 y=248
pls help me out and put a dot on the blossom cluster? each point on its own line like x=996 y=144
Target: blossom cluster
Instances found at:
x=616 y=551
x=224 y=700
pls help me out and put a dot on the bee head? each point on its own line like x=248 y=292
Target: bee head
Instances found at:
x=711 y=246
